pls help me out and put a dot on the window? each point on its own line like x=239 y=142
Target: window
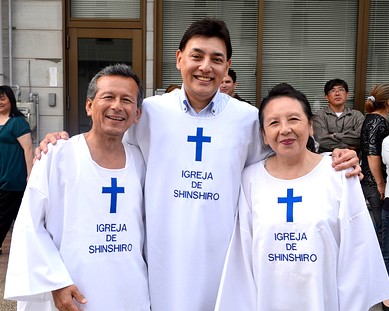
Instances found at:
x=105 y=9
x=307 y=43
x=378 y=48
x=241 y=17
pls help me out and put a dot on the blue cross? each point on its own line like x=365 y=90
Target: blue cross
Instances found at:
x=113 y=190
x=290 y=200
x=199 y=139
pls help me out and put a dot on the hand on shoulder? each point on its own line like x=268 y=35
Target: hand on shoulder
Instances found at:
x=49 y=138
x=346 y=158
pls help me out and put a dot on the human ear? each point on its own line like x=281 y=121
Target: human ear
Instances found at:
x=264 y=137
x=178 y=59
x=88 y=107
x=138 y=115
x=310 y=128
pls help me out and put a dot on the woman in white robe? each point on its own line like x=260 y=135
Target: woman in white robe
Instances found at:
x=304 y=239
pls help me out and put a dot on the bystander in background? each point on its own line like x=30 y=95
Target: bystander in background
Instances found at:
x=337 y=126
x=229 y=84
x=172 y=87
x=380 y=93
x=375 y=128
x=16 y=158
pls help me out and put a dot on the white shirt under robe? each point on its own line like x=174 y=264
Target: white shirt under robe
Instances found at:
x=80 y=224
x=302 y=244
x=194 y=167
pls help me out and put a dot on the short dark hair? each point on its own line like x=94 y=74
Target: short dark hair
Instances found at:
x=335 y=82
x=121 y=70
x=208 y=27
x=7 y=91
x=232 y=74
x=285 y=90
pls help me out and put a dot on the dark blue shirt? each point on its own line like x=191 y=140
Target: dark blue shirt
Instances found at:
x=13 y=170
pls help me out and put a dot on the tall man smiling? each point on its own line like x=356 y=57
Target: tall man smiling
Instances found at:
x=195 y=142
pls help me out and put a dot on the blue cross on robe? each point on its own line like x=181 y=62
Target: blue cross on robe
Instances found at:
x=199 y=139
x=290 y=200
x=113 y=190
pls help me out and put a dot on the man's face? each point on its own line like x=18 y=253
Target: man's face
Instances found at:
x=203 y=64
x=228 y=85
x=337 y=97
x=114 y=108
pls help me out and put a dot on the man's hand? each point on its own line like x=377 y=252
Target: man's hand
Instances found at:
x=63 y=298
x=346 y=158
x=49 y=138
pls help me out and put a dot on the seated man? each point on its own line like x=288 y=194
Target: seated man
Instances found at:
x=337 y=126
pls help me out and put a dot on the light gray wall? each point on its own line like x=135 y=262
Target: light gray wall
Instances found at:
x=38 y=48
x=37 y=51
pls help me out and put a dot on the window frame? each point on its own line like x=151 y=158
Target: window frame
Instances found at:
x=361 y=56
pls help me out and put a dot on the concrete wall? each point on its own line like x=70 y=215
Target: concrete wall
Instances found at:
x=38 y=52
x=37 y=58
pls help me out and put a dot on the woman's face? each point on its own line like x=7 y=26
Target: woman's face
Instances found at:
x=286 y=127
x=5 y=104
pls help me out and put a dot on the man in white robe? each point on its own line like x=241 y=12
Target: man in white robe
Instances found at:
x=80 y=224
x=191 y=194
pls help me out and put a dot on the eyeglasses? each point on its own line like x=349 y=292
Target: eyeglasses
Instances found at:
x=339 y=89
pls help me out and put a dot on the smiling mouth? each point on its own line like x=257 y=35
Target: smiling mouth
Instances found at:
x=115 y=118
x=204 y=79
x=287 y=141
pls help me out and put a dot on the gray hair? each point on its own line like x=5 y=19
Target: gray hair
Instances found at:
x=121 y=70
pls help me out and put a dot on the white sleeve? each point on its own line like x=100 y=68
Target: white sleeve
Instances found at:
x=257 y=150
x=35 y=266
x=237 y=289
x=362 y=277
x=385 y=160
x=129 y=136
x=385 y=151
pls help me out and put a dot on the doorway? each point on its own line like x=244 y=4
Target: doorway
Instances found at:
x=90 y=50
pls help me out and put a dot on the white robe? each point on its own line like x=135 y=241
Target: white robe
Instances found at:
x=73 y=227
x=321 y=255
x=385 y=160
x=191 y=194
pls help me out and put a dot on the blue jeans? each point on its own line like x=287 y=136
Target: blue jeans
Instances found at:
x=375 y=205
x=385 y=238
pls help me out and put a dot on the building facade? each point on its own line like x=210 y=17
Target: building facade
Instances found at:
x=51 y=48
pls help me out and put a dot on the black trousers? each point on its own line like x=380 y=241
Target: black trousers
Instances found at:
x=9 y=208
